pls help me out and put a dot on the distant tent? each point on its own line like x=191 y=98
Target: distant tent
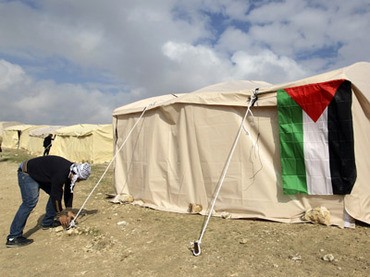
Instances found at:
x=35 y=144
x=177 y=153
x=84 y=143
x=6 y=124
x=16 y=136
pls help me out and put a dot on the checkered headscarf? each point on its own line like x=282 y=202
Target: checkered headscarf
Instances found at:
x=79 y=171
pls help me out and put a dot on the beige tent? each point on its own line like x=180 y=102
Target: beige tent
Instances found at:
x=177 y=152
x=84 y=143
x=17 y=136
x=6 y=124
x=36 y=140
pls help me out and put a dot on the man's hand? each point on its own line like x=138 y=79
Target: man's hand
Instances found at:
x=71 y=215
x=64 y=220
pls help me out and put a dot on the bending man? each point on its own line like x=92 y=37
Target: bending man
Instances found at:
x=57 y=177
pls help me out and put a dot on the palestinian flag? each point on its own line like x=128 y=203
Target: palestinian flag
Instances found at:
x=316 y=138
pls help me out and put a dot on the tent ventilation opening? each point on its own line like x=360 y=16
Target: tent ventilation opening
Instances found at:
x=196 y=244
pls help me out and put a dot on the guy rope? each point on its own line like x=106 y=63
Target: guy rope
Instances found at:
x=196 y=244
x=73 y=222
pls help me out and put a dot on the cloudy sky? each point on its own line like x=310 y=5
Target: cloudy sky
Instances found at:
x=65 y=62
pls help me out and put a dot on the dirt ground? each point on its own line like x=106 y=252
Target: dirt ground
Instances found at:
x=153 y=243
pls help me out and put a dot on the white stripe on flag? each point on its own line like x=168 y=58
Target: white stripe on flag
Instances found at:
x=316 y=151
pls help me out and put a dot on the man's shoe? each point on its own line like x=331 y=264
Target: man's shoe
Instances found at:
x=18 y=241
x=54 y=224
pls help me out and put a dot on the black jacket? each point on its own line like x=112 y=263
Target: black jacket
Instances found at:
x=47 y=141
x=53 y=171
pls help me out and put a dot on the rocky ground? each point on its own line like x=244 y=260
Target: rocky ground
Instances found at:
x=127 y=240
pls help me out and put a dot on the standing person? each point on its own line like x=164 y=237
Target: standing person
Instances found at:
x=57 y=177
x=47 y=144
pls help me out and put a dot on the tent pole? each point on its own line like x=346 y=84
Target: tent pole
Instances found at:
x=197 y=250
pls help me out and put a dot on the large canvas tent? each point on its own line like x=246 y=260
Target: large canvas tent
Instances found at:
x=176 y=154
x=84 y=143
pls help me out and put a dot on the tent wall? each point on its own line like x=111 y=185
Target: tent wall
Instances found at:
x=84 y=142
x=357 y=203
x=103 y=144
x=73 y=148
x=26 y=140
x=10 y=139
x=35 y=145
x=170 y=162
x=176 y=154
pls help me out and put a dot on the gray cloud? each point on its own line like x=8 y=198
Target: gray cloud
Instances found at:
x=74 y=62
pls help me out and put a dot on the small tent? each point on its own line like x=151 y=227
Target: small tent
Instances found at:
x=6 y=124
x=17 y=136
x=84 y=143
x=176 y=154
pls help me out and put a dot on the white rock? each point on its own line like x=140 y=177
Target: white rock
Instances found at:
x=328 y=257
x=296 y=257
x=195 y=208
x=58 y=229
x=243 y=241
x=125 y=198
x=225 y=215
x=318 y=215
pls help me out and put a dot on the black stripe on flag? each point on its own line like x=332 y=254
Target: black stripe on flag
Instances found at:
x=341 y=142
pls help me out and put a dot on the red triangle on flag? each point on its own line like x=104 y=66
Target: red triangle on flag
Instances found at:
x=314 y=98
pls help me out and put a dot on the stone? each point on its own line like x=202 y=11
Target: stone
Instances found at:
x=225 y=215
x=328 y=257
x=125 y=198
x=295 y=257
x=243 y=241
x=58 y=229
x=72 y=231
x=319 y=215
x=195 y=208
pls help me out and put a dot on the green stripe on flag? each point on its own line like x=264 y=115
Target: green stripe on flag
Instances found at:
x=291 y=144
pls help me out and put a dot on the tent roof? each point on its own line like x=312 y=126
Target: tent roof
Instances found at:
x=19 y=127
x=148 y=102
x=237 y=93
x=44 y=131
x=212 y=94
x=81 y=129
